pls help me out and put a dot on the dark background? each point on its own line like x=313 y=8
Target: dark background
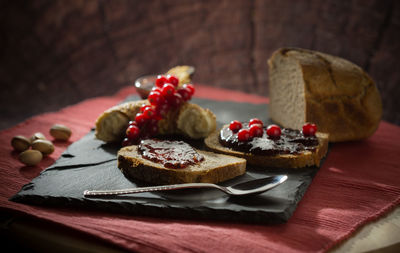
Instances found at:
x=56 y=53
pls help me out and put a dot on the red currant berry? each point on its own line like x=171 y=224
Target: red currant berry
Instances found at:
x=143 y=107
x=132 y=132
x=168 y=90
x=185 y=93
x=154 y=97
x=256 y=130
x=144 y=134
x=126 y=142
x=162 y=109
x=156 y=89
x=244 y=135
x=235 y=126
x=132 y=123
x=309 y=129
x=152 y=121
x=140 y=119
x=149 y=112
x=255 y=121
x=175 y=100
x=174 y=80
x=274 y=131
x=153 y=129
x=190 y=87
x=158 y=117
x=160 y=81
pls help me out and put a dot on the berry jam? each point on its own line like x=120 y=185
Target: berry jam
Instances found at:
x=290 y=142
x=171 y=154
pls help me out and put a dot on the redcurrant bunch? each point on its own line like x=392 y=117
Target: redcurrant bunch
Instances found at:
x=165 y=95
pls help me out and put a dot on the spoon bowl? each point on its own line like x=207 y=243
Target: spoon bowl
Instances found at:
x=144 y=84
x=251 y=187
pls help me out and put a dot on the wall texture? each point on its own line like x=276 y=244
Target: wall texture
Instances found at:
x=56 y=53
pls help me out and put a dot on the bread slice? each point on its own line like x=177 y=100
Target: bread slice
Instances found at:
x=335 y=94
x=214 y=168
x=304 y=159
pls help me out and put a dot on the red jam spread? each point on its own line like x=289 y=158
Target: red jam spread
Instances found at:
x=290 y=142
x=171 y=154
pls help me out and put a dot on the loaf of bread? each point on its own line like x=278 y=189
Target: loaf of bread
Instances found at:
x=189 y=120
x=335 y=94
x=214 y=169
x=303 y=159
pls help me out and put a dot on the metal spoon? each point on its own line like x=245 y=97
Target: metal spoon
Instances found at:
x=250 y=187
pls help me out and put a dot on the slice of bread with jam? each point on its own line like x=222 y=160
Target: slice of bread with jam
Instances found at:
x=174 y=162
x=263 y=151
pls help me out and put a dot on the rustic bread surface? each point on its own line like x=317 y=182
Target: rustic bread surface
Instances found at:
x=183 y=73
x=337 y=95
x=189 y=120
x=305 y=159
x=112 y=123
x=214 y=169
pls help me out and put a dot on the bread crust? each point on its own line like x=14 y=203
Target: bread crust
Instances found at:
x=214 y=169
x=305 y=159
x=340 y=97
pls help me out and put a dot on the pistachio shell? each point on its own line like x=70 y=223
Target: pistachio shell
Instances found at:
x=20 y=143
x=44 y=146
x=60 y=132
x=30 y=157
x=37 y=136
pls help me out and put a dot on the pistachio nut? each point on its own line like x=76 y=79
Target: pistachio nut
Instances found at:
x=44 y=146
x=30 y=157
x=20 y=143
x=37 y=136
x=60 y=132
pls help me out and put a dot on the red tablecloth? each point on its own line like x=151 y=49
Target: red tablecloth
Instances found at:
x=358 y=182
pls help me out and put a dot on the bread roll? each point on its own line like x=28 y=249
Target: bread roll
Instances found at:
x=184 y=73
x=335 y=94
x=189 y=120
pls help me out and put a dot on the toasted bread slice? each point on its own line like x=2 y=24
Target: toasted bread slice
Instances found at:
x=214 y=169
x=304 y=159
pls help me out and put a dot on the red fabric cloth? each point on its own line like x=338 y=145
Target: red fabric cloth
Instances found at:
x=358 y=183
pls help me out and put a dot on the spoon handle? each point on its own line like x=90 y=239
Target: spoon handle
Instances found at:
x=93 y=193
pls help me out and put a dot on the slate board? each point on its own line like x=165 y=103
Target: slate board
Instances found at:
x=91 y=164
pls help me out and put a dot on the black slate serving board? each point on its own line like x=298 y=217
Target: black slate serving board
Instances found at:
x=91 y=164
